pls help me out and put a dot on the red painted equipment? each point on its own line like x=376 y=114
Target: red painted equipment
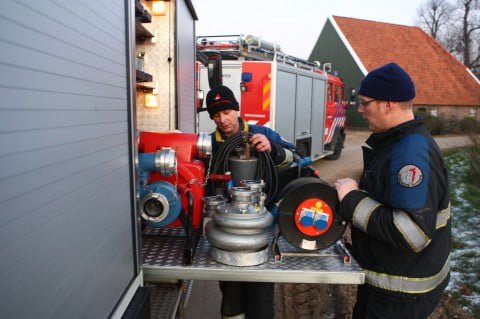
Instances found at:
x=189 y=149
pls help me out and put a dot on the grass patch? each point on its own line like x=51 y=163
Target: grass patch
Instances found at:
x=472 y=155
x=456 y=244
x=465 y=204
x=472 y=193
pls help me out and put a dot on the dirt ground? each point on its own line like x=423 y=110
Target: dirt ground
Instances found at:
x=313 y=301
x=336 y=301
x=351 y=161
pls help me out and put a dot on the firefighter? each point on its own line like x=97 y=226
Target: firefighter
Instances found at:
x=245 y=299
x=400 y=210
x=223 y=110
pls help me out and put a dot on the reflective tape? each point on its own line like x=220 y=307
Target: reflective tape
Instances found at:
x=266 y=95
x=363 y=211
x=287 y=160
x=407 y=284
x=411 y=232
x=443 y=216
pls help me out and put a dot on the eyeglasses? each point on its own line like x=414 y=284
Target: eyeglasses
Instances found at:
x=365 y=103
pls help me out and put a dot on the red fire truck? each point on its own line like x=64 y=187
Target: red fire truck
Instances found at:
x=297 y=98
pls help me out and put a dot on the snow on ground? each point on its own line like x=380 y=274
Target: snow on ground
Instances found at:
x=465 y=264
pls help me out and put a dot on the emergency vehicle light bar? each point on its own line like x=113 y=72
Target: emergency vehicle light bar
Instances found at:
x=250 y=48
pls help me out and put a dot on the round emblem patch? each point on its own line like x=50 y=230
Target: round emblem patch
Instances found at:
x=410 y=176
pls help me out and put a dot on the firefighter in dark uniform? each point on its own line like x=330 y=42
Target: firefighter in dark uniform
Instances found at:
x=400 y=210
x=245 y=299
x=223 y=110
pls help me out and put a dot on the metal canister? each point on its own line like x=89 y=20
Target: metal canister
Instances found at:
x=242 y=169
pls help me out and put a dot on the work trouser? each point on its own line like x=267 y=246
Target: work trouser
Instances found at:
x=254 y=299
x=372 y=303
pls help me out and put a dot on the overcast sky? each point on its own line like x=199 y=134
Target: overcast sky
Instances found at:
x=294 y=24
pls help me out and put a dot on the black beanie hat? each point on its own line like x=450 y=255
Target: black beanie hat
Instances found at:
x=388 y=83
x=219 y=99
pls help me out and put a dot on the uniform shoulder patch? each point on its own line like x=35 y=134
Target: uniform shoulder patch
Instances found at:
x=410 y=176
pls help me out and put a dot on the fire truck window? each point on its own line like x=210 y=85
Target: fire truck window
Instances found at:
x=329 y=93
x=336 y=93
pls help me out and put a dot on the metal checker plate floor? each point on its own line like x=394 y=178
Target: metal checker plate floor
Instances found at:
x=162 y=259
x=164 y=299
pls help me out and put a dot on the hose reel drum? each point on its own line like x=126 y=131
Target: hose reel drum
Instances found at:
x=307 y=214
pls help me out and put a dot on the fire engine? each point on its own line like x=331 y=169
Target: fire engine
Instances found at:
x=302 y=101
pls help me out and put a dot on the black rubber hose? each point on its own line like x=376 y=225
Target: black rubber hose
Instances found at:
x=265 y=170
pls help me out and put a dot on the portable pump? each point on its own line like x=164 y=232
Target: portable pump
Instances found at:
x=170 y=169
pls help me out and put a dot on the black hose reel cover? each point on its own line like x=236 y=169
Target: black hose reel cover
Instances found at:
x=309 y=195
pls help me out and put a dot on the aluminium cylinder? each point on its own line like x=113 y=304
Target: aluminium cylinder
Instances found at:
x=243 y=198
x=204 y=145
x=242 y=169
x=226 y=240
x=258 y=186
x=231 y=229
x=239 y=234
x=229 y=219
x=166 y=161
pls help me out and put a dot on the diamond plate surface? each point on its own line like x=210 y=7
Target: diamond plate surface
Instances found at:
x=187 y=290
x=164 y=299
x=163 y=260
x=163 y=246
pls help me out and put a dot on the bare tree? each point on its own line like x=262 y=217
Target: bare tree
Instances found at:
x=470 y=39
x=434 y=16
x=456 y=27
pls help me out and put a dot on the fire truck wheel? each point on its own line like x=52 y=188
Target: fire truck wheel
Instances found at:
x=337 y=147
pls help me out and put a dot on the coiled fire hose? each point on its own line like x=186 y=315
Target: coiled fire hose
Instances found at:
x=265 y=169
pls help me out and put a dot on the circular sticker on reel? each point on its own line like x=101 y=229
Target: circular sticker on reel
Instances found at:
x=313 y=217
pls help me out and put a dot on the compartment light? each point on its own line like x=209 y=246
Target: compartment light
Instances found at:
x=151 y=101
x=159 y=8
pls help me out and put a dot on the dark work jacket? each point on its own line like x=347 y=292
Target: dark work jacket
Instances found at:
x=276 y=141
x=401 y=216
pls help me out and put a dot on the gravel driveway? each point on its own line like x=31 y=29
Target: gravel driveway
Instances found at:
x=350 y=162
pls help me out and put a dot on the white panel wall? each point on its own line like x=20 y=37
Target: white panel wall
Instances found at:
x=66 y=246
